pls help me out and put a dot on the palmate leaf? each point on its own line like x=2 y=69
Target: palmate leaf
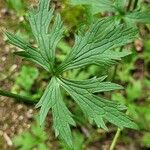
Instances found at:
x=97 y=108
x=96 y=46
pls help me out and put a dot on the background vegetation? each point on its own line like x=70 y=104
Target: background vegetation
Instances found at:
x=19 y=128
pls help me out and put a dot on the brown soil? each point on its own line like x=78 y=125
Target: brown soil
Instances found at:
x=14 y=117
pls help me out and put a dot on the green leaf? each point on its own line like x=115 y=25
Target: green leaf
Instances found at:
x=25 y=141
x=62 y=121
x=96 y=46
x=40 y=20
x=96 y=5
x=120 y=4
x=30 y=53
x=33 y=138
x=134 y=90
x=17 y=5
x=47 y=41
x=145 y=139
x=42 y=146
x=27 y=77
x=78 y=142
x=62 y=117
x=95 y=85
x=96 y=108
x=138 y=16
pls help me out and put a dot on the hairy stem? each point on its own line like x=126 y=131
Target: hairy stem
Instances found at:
x=17 y=97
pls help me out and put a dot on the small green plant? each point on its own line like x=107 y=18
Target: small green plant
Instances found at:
x=17 y=5
x=125 y=10
x=94 y=47
x=35 y=138
x=25 y=80
x=145 y=139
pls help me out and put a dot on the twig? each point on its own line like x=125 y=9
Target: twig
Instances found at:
x=17 y=97
x=8 y=140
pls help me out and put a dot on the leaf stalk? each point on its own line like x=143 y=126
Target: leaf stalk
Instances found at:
x=18 y=98
x=114 y=142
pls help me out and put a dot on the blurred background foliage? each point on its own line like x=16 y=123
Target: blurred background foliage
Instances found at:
x=29 y=80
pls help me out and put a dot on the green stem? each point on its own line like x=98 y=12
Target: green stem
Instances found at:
x=115 y=139
x=115 y=68
x=135 y=4
x=114 y=72
x=114 y=142
x=17 y=97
